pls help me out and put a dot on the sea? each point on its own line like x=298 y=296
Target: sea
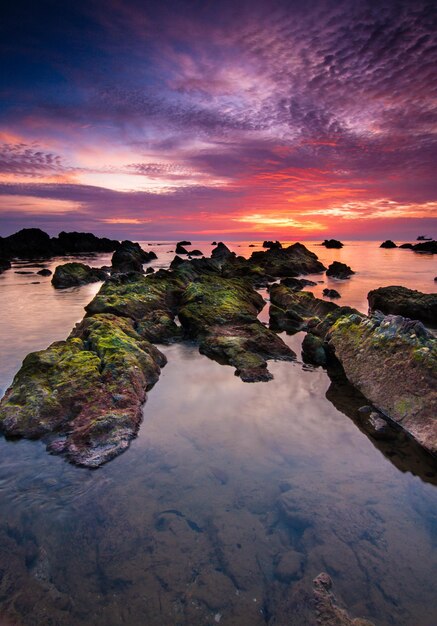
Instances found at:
x=233 y=497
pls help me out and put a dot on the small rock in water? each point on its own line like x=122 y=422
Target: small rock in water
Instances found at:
x=331 y=293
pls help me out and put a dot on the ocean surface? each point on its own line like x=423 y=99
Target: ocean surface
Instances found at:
x=228 y=486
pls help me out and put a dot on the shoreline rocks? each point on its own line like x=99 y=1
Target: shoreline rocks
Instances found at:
x=74 y=275
x=410 y=303
x=130 y=257
x=339 y=270
x=332 y=243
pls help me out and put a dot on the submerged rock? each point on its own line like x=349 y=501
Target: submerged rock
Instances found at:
x=388 y=244
x=332 y=243
x=328 y=611
x=130 y=257
x=45 y=272
x=75 y=274
x=393 y=362
x=410 y=303
x=339 y=270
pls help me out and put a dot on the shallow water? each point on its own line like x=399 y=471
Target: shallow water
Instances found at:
x=225 y=482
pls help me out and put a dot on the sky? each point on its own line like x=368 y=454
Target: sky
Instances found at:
x=204 y=119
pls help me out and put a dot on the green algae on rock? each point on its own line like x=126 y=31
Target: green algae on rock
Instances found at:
x=76 y=274
x=410 y=303
x=88 y=390
x=393 y=362
x=221 y=314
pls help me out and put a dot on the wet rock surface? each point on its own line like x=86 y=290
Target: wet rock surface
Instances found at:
x=339 y=270
x=74 y=275
x=130 y=257
x=393 y=362
x=406 y=302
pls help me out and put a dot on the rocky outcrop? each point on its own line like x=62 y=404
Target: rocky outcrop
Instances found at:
x=410 y=303
x=339 y=270
x=30 y=243
x=272 y=245
x=75 y=275
x=180 y=249
x=5 y=264
x=329 y=613
x=332 y=243
x=87 y=389
x=331 y=293
x=388 y=244
x=221 y=314
x=195 y=253
x=130 y=257
x=393 y=362
x=293 y=311
x=222 y=253
x=429 y=247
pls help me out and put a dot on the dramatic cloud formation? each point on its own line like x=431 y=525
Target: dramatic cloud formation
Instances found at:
x=278 y=118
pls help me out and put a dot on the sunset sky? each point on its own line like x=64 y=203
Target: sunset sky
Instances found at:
x=238 y=120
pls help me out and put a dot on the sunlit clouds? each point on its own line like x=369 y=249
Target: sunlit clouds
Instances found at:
x=188 y=119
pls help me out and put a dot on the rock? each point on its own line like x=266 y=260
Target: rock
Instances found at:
x=313 y=350
x=45 y=272
x=180 y=249
x=331 y=293
x=296 y=310
x=214 y=243
x=221 y=314
x=388 y=244
x=222 y=253
x=30 y=243
x=23 y=272
x=88 y=389
x=393 y=362
x=195 y=253
x=184 y=243
x=332 y=243
x=290 y=566
x=272 y=245
x=176 y=262
x=150 y=270
x=410 y=303
x=5 y=264
x=76 y=274
x=406 y=245
x=327 y=609
x=427 y=246
x=339 y=270
x=251 y=245
x=297 y=284
x=130 y=257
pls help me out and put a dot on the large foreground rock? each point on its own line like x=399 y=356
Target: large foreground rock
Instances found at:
x=393 y=362
x=75 y=275
x=88 y=389
x=407 y=302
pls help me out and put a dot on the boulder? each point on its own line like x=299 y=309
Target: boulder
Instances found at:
x=332 y=243
x=184 y=243
x=388 y=244
x=410 y=303
x=313 y=350
x=427 y=246
x=297 y=284
x=408 y=246
x=180 y=249
x=5 y=264
x=195 y=253
x=393 y=362
x=222 y=253
x=339 y=270
x=331 y=293
x=272 y=245
x=130 y=257
x=45 y=272
x=75 y=274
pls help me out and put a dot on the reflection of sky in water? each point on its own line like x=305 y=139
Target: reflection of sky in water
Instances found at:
x=224 y=479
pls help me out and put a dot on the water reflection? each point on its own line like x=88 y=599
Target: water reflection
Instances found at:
x=233 y=497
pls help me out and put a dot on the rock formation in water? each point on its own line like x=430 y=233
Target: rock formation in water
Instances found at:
x=272 y=245
x=339 y=270
x=129 y=257
x=388 y=244
x=329 y=613
x=393 y=362
x=331 y=293
x=426 y=246
x=332 y=243
x=74 y=275
x=410 y=303
x=31 y=243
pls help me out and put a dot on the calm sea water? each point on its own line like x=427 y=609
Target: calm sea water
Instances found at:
x=225 y=483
